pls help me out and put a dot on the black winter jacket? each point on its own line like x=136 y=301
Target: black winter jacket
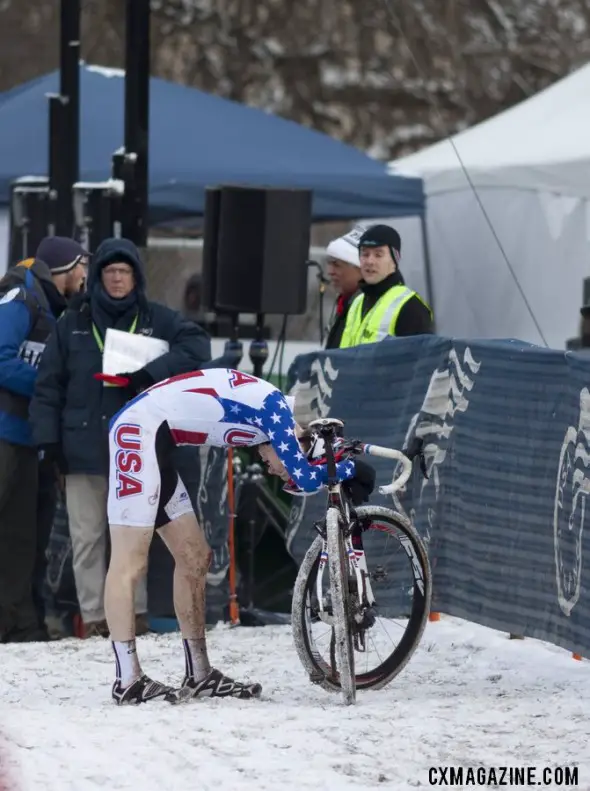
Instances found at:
x=72 y=409
x=338 y=323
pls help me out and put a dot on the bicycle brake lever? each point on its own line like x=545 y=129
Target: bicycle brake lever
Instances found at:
x=416 y=450
x=354 y=446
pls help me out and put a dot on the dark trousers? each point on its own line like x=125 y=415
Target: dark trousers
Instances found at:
x=46 y=505
x=18 y=542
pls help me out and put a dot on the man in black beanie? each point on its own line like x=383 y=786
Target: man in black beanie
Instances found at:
x=33 y=295
x=386 y=306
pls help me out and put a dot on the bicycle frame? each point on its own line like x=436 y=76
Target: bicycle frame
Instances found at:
x=350 y=610
x=327 y=430
x=363 y=584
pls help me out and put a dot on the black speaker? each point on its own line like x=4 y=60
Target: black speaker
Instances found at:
x=256 y=248
x=97 y=211
x=210 y=239
x=30 y=217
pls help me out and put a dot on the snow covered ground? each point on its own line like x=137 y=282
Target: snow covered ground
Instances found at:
x=469 y=697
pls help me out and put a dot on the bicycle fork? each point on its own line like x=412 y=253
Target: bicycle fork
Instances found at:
x=358 y=576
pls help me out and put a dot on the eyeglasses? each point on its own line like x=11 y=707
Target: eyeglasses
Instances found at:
x=121 y=271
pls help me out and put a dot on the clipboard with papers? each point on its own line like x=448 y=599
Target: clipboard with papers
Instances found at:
x=127 y=352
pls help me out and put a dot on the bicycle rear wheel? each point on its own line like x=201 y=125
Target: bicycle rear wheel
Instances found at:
x=340 y=596
x=401 y=562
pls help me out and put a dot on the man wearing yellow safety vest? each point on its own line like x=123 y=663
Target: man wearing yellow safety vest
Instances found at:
x=385 y=306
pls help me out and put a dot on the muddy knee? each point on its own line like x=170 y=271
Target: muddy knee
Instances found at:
x=186 y=541
x=193 y=562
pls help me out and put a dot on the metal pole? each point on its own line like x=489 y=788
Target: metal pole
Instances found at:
x=58 y=167
x=427 y=266
x=68 y=167
x=137 y=94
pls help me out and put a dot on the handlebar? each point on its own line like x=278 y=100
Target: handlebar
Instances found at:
x=396 y=455
x=327 y=428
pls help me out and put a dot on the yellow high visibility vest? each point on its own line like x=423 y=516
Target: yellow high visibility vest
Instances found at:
x=380 y=321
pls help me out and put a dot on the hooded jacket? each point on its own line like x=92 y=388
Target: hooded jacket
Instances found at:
x=29 y=307
x=70 y=408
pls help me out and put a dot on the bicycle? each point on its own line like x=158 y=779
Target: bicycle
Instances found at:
x=349 y=607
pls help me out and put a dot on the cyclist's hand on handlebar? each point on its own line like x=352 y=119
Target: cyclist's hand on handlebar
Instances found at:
x=352 y=446
x=361 y=487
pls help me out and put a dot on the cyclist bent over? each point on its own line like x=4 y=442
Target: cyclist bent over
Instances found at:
x=219 y=407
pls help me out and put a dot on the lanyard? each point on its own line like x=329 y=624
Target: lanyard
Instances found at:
x=98 y=339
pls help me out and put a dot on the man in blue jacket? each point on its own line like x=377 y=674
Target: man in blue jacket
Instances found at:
x=33 y=295
x=71 y=410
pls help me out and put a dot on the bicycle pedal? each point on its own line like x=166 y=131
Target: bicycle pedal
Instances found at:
x=316 y=678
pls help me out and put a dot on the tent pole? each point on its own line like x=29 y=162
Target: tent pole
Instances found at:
x=137 y=97
x=64 y=127
x=427 y=266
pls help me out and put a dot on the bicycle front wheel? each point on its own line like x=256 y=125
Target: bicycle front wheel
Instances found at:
x=341 y=611
x=399 y=573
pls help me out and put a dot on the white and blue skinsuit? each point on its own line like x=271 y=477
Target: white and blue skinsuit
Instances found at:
x=215 y=407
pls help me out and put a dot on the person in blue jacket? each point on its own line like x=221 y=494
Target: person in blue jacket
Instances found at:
x=33 y=295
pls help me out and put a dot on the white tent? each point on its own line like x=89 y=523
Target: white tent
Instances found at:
x=528 y=170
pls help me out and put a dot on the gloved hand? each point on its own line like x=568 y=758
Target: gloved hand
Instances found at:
x=53 y=455
x=361 y=487
x=138 y=381
x=53 y=452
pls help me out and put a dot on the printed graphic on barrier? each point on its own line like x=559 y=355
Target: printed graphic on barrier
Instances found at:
x=506 y=433
x=573 y=485
x=448 y=392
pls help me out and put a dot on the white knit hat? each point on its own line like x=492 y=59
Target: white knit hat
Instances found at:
x=346 y=248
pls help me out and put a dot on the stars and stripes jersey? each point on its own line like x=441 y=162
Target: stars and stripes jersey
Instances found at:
x=227 y=408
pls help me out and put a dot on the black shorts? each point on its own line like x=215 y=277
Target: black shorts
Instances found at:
x=169 y=477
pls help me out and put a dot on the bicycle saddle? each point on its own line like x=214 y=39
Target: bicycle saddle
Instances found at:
x=325 y=423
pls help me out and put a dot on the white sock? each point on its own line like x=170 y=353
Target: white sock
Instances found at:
x=127 y=663
x=196 y=661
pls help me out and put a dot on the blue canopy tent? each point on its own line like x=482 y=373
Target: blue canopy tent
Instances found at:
x=196 y=141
